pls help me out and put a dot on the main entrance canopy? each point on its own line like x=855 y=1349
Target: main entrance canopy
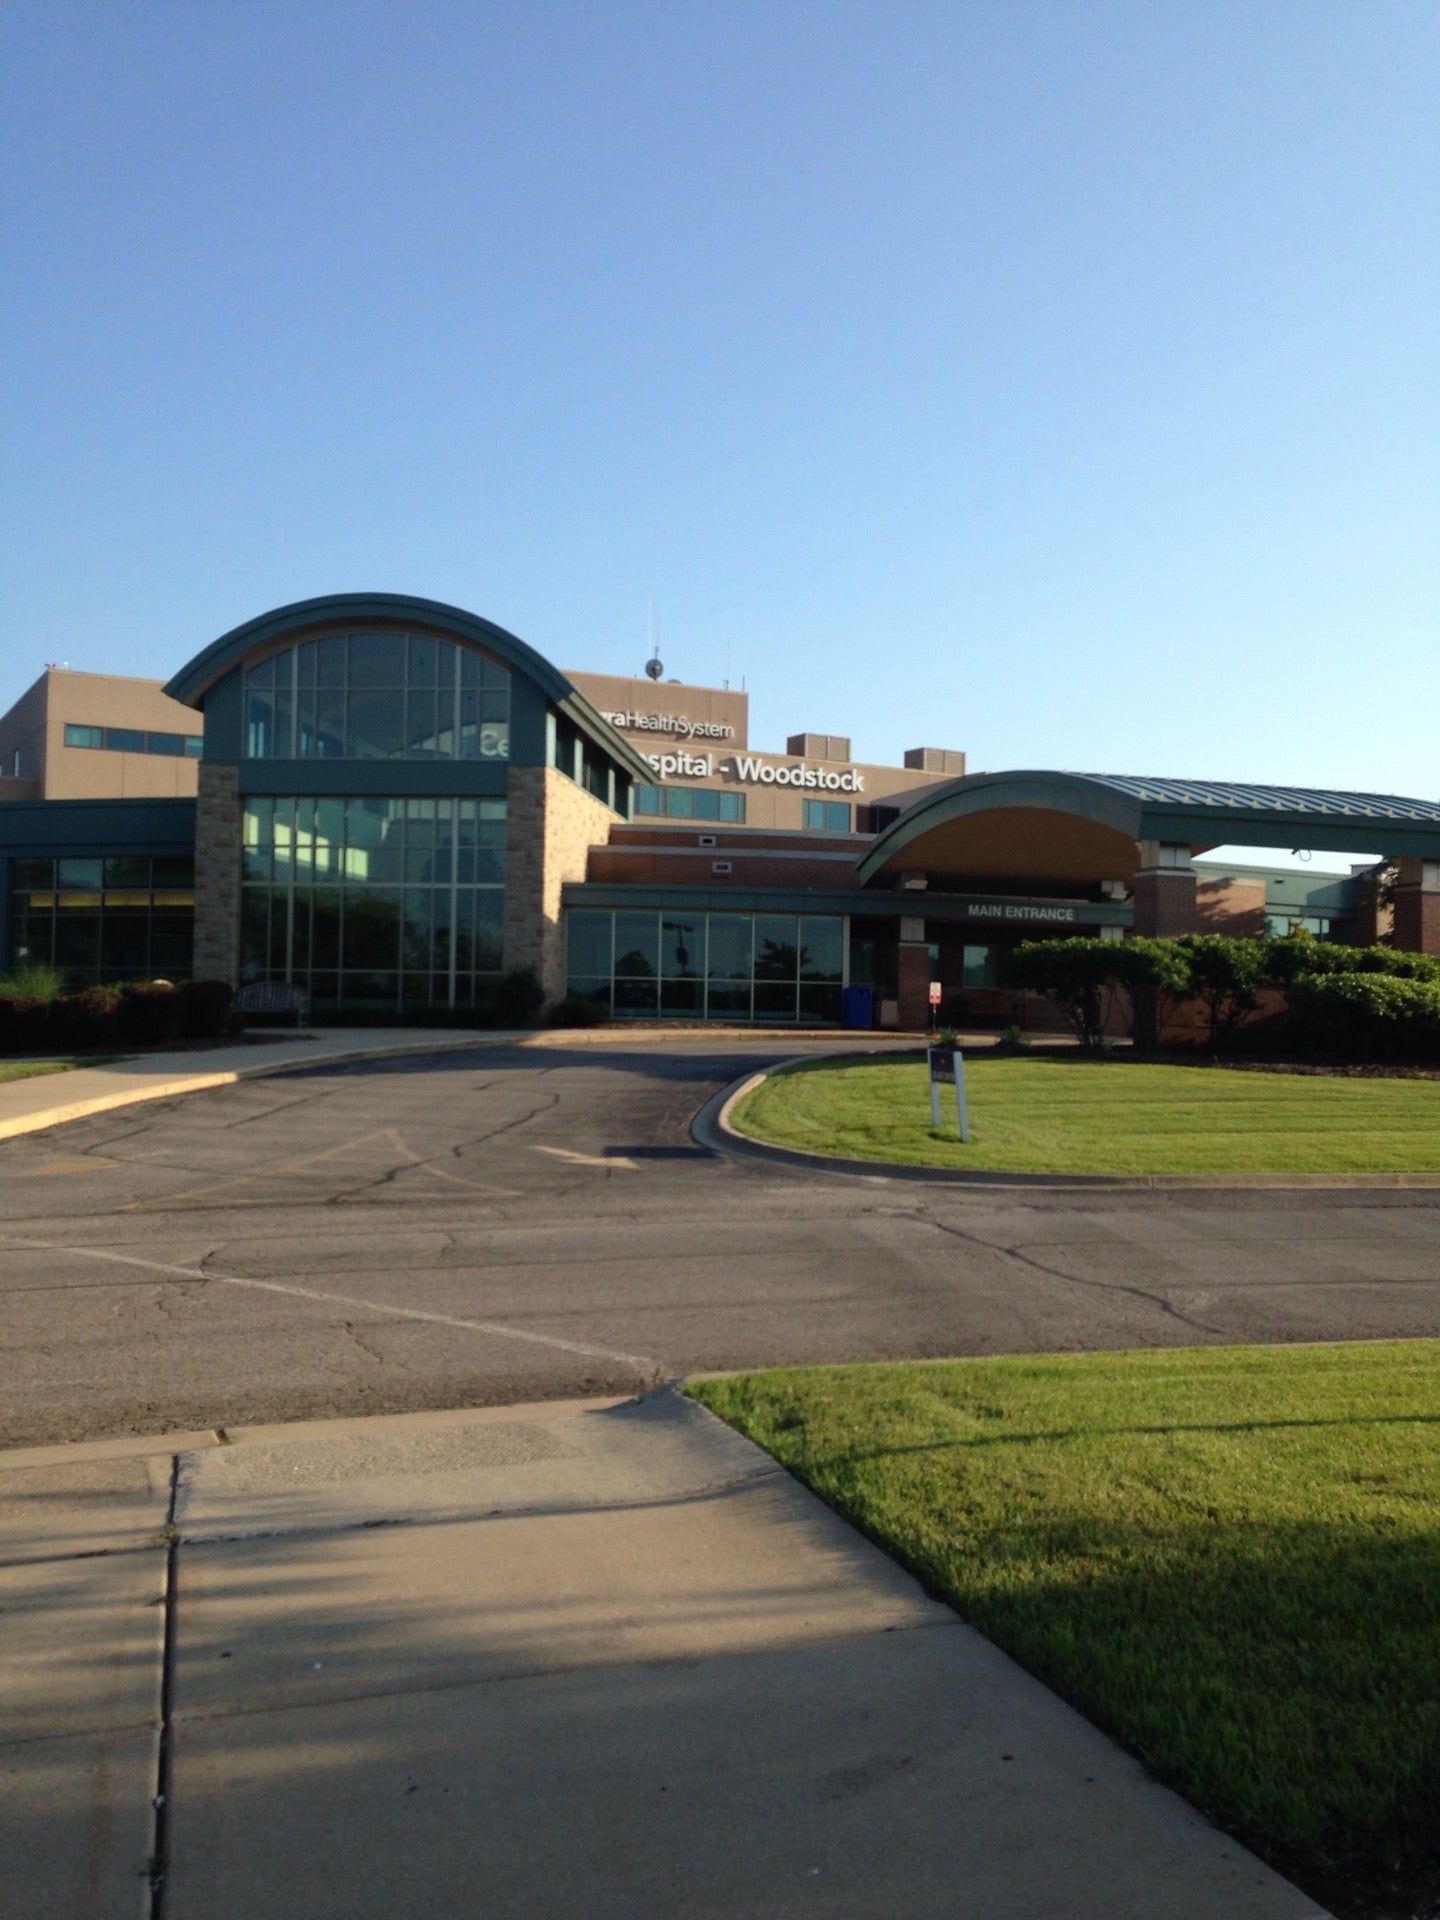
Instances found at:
x=1098 y=833
x=1087 y=826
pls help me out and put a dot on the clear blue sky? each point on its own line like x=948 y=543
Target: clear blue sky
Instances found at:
x=1055 y=381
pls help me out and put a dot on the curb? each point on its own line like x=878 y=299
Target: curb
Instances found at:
x=712 y=1128
x=439 y=1042
x=203 y=1082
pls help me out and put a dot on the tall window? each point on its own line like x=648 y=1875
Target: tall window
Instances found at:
x=374 y=903
x=377 y=696
x=779 y=967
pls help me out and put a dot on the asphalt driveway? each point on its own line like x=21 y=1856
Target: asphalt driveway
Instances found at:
x=475 y=1229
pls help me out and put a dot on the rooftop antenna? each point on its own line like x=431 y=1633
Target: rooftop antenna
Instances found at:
x=654 y=666
x=727 y=666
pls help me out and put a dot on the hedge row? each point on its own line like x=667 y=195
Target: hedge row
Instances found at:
x=1356 y=1000
x=143 y=1013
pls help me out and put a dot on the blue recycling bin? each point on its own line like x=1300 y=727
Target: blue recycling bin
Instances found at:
x=858 y=1006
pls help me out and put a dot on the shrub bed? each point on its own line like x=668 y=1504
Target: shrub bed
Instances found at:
x=144 y=1013
x=1359 y=1002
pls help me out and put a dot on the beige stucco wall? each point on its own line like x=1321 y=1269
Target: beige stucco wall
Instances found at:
x=551 y=824
x=716 y=706
x=35 y=726
x=22 y=732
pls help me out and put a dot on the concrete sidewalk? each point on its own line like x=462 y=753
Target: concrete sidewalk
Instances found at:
x=576 y=1661
x=48 y=1100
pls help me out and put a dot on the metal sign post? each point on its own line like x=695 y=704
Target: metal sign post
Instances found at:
x=947 y=1068
x=934 y=998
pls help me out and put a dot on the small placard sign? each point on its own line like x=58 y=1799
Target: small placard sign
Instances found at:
x=947 y=1069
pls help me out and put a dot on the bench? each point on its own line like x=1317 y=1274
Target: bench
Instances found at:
x=274 y=996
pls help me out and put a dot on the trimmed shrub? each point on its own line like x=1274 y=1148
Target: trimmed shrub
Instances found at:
x=1288 y=960
x=519 y=997
x=575 y=1011
x=24 y=1024
x=150 y=1012
x=205 y=1008
x=1367 y=1014
x=86 y=1021
x=1224 y=976
x=1156 y=974
x=1076 y=976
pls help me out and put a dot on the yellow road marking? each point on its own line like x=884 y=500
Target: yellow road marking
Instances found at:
x=309 y=1165
x=77 y=1166
x=590 y=1159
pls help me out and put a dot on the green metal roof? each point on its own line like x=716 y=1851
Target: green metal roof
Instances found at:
x=1197 y=813
x=1269 y=800
x=191 y=684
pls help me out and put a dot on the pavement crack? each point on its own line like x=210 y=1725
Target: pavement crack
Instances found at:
x=371 y=1352
x=1075 y=1280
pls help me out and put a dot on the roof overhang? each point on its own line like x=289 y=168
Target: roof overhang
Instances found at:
x=1057 y=824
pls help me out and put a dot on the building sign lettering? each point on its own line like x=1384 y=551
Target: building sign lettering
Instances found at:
x=745 y=770
x=676 y=723
x=1008 y=910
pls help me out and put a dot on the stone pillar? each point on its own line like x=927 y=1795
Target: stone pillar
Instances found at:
x=912 y=975
x=1417 y=906
x=1164 y=890
x=550 y=826
x=217 y=874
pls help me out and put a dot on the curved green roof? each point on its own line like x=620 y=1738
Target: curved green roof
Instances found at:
x=1270 y=800
x=197 y=676
x=1187 y=812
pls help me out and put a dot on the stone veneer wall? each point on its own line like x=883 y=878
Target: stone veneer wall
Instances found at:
x=217 y=874
x=551 y=825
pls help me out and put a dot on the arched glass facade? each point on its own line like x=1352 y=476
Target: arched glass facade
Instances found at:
x=377 y=696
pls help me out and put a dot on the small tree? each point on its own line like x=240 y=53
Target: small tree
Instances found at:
x=1224 y=974
x=1157 y=976
x=1076 y=976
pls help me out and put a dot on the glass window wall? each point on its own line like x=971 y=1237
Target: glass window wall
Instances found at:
x=377 y=696
x=98 y=918
x=372 y=903
x=781 y=968
x=692 y=803
x=131 y=740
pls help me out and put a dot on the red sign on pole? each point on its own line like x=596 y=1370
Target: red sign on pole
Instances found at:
x=934 y=993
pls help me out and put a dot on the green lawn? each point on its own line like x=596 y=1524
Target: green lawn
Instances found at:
x=29 y=1069
x=1071 y=1115
x=1230 y=1558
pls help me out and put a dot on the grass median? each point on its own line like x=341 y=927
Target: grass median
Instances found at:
x=1229 y=1558
x=1067 y=1114
x=35 y=1069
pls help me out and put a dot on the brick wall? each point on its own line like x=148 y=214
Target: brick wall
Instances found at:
x=1417 y=919
x=1234 y=907
x=550 y=828
x=1164 y=903
x=217 y=874
x=649 y=867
